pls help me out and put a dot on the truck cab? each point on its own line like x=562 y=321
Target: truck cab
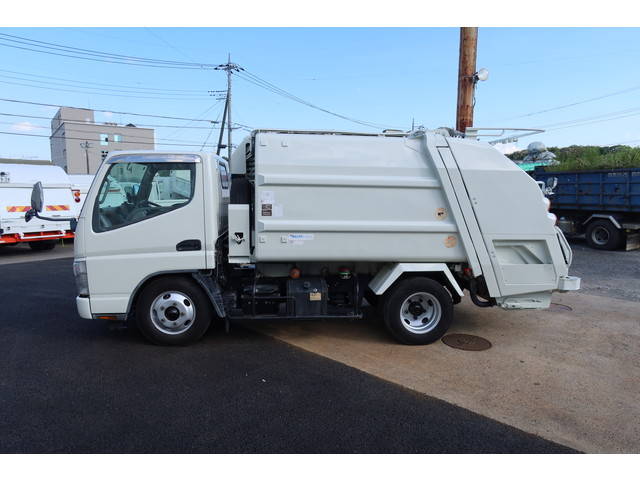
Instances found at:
x=309 y=225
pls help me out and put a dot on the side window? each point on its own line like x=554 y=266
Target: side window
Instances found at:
x=224 y=175
x=132 y=192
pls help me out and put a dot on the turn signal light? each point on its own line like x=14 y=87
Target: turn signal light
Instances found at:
x=76 y=196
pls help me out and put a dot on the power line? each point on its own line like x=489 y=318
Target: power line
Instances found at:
x=594 y=117
x=595 y=121
x=97 y=93
x=12 y=100
x=119 y=86
x=567 y=105
x=84 y=130
x=221 y=128
x=200 y=115
x=98 y=60
x=75 y=121
x=96 y=55
x=157 y=35
x=87 y=139
x=50 y=48
x=118 y=91
x=255 y=80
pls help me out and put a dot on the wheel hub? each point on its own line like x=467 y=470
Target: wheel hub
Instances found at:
x=420 y=312
x=600 y=235
x=416 y=309
x=172 y=313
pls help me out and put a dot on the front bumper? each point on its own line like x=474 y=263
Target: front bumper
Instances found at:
x=83 y=304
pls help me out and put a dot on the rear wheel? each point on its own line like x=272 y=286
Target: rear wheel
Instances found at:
x=173 y=311
x=418 y=311
x=603 y=235
x=42 y=245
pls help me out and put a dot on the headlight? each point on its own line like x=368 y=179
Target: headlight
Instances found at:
x=80 y=273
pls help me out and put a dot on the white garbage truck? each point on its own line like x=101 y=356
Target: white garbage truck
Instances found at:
x=309 y=225
x=16 y=181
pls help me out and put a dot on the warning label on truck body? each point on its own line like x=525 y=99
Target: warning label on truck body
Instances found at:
x=267 y=210
x=268 y=205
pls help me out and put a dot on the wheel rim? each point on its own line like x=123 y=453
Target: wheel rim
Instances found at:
x=600 y=235
x=172 y=313
x=420 y=312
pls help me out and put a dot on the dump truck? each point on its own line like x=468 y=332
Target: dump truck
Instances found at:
x=314 y=225
x=16 y=181
x=602 y=205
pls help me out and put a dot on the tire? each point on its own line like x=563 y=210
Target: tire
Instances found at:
x=418 y=327
x=603 y=235
x=43 y=245
x=173 y=311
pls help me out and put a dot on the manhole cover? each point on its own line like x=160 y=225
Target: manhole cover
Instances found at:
x=463 y=341
x=559 y=307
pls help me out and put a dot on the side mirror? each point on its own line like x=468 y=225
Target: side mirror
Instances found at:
x=552 y=182
x=37 y=204
x=37 y=197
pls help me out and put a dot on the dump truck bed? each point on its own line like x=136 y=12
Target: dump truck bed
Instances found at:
x=595 y=190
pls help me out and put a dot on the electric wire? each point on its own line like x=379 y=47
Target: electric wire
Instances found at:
x=136 y=89
x=90 y=139
x=75 y=121
x=101 y=93
x=255 y=80
x=573 y=104
x=24 y=43
x=50 y=48
x=40 y=104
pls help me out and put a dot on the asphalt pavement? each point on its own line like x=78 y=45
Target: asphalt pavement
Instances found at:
x=614 y=274
x=72 y=385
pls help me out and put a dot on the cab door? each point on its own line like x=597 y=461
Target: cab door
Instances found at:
x=146 y=217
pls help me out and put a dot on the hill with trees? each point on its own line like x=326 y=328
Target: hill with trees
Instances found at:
x=579 y=157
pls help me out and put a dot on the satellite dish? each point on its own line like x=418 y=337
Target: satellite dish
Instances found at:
x=482 y=75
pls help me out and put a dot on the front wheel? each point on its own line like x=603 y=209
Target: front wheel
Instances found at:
x=418 y=311
x=173 y=311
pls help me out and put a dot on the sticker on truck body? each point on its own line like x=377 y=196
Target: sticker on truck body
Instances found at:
x=299 y=238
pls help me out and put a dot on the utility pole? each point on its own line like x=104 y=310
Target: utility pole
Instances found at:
x=86 y=145
x=229 y=68
x=466 y=77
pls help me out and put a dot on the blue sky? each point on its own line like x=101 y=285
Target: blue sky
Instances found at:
x=384 y=76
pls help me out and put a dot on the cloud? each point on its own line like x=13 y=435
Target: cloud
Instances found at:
x=23 y=127
x=507 y=148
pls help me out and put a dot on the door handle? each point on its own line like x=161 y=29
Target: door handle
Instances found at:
x=189 y=245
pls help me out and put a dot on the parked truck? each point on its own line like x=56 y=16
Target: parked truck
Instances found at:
x=79 y=188
x=310 y=224
x=602 y=205
x=16 y=181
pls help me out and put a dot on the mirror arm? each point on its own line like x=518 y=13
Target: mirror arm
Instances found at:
x=34 y=213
